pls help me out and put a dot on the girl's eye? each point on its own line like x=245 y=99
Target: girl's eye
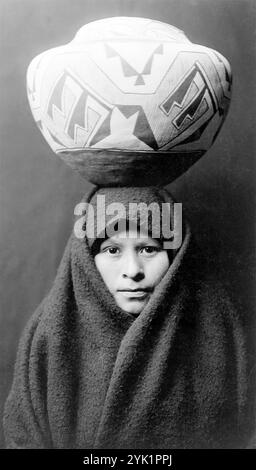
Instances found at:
x=112 y=250
x=149 y=250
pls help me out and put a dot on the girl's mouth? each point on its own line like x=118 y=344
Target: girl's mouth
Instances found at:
x=138 y=294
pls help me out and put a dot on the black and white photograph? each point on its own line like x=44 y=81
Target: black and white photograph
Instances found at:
x=127 y=227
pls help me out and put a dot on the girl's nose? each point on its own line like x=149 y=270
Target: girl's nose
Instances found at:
x=132 y=267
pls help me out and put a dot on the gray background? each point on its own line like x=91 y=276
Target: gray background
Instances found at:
x=38 y=192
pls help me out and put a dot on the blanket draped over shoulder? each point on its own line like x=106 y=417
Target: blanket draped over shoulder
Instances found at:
x=89 y=375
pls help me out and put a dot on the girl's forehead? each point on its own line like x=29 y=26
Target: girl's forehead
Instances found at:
x=131 y=237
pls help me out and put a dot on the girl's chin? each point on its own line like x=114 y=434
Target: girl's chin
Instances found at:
x=133 y=306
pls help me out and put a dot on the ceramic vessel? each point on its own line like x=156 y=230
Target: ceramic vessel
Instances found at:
x=129 y=100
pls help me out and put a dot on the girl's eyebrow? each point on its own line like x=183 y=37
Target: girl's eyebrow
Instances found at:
x=110 y=242
x=139 y=242
x=146 y=242
x=151 y=242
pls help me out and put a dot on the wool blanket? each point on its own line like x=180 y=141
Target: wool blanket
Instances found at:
x=89 y=375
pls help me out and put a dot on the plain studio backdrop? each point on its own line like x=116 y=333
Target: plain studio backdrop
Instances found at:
x=39 y=192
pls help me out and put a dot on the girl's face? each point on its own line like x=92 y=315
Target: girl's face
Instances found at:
x=131 y=267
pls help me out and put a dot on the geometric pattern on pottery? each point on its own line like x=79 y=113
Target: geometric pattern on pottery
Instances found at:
x=83 y=117
x=127 y=94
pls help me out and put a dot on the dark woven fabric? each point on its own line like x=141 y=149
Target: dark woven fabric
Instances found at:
x=145 y=217
x=89 y=375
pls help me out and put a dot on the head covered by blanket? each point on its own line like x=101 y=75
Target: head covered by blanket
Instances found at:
x=90 y=375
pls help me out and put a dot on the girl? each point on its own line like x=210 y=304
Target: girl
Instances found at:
x=134 y=346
